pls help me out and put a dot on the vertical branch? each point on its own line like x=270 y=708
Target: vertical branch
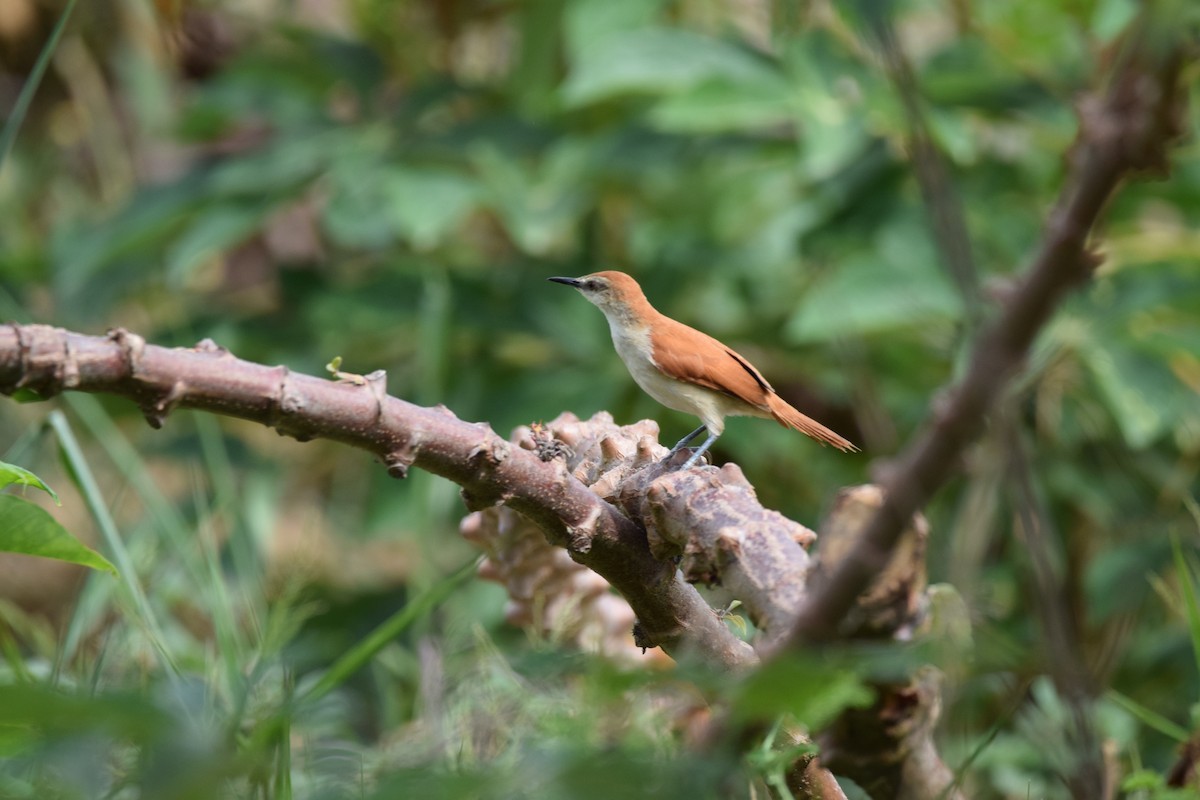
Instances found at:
x=1125 y=131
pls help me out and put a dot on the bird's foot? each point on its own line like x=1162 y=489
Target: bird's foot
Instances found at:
x=699 y=452
x=673 y=461
x=685 y=441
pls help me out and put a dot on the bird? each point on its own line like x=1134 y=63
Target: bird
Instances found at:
x=687 y=370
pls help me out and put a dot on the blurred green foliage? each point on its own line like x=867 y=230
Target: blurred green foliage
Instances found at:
x=392 y=181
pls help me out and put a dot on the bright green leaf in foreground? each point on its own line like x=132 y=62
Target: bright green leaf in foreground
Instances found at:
x=814 y=692
x=49 y=711
x=26 y=528
x=11 y=474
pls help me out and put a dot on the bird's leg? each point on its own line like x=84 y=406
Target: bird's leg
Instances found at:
x=712 y=437
x=684 y=441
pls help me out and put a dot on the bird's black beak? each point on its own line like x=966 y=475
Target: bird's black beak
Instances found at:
x=573 y=282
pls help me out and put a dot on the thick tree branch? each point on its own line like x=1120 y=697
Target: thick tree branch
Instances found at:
x=709 y=520
x=714 y=522
x=491 y=471
x=1124 y=132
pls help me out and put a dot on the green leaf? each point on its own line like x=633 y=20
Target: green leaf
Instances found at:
x=26 y=395
x=1110 y=17
x=282 y=167
x=211 y=232
x=429 y=204
x=58 y=713
x=1134 y=388
x=659 y=61
x=814 y=692
x=540 y=204
x=956 y=135
x=1040 y=38
x=26 y=528
x=150 y=219
x=897 y=286
x=586 y=22
x=718 y=105
x=439 y=784
x=1141 y=781
x=11 y=474
x=359 y=211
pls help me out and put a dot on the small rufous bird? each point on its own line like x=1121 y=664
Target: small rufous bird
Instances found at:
x=687 y=370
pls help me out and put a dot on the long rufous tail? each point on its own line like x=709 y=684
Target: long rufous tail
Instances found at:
x=791 y=418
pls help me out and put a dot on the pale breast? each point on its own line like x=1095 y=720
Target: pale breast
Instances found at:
x=633 y=346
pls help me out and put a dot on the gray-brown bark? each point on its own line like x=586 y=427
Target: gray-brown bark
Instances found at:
x=491 y=471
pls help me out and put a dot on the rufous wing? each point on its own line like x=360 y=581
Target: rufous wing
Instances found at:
x=688 y=355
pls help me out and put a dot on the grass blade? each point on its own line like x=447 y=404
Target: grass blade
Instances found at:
x=1151 y=719
x=8 y=135
x=392 y=627
x=1187 y=586
x=283 y=754
x=86 y=481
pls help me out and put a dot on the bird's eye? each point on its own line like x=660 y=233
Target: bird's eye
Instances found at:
x=594 y=285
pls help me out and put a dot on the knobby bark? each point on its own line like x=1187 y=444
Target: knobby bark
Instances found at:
x=598 y=491
x=360 y=413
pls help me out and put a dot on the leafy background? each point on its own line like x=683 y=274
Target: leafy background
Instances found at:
x=392 y=181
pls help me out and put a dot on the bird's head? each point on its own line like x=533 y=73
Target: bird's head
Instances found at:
x=611 y=291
